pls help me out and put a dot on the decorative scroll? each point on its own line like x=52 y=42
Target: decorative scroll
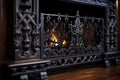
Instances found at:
x=72 y=39
x=27 y=35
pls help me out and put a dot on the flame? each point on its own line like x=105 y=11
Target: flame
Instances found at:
x=53 y=30
x=54 y=38
x=64 y=42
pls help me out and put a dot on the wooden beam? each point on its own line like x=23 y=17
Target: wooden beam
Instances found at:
x=118 y=22
x=3 y=33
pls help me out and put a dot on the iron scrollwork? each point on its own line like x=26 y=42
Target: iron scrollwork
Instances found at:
x=72 y=40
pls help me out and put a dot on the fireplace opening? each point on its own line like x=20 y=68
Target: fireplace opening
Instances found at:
x=69 y=7
x=71 y=33
x=57 y=31
x=56 y=40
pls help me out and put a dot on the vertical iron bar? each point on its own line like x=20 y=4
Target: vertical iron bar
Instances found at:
x=37 y=12
x=42 y=34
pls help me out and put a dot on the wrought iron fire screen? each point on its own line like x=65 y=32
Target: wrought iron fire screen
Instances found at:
x=69 y=40
x=63 y=39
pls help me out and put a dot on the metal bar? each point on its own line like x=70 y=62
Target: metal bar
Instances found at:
x=28 y=62
x=37 y=12
x=59 y=66
x=45 y=14
x=89 y=2
x=62 y=57
x=42 y=35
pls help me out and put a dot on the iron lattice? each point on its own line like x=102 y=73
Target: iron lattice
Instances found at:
x=83 y=36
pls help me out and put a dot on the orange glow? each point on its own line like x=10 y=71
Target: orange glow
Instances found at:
x=53 y=30
x=64 y=42
x=54 y=38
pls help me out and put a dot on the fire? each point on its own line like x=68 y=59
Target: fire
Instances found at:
x=64 y=42
x=54 y=38
x=53 y=30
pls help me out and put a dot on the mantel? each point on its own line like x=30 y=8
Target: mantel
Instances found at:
x=28 y=62
x=101 y=3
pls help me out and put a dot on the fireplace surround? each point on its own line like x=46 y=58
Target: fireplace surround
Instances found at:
x=49 y=34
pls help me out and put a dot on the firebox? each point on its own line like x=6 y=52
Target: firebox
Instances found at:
x=70 y=33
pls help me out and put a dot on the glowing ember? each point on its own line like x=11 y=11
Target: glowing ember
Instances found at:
x=53 y=30
x=56 y=44
x=64 y=42
x=55 y=40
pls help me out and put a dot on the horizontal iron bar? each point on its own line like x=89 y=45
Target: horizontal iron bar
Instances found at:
x=45 y=14
x=65 y=65
x=71 y=56
x=28 y=62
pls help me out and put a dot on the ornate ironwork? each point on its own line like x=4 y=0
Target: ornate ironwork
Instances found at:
x=111 y=38
x=112 y=54
x=74 y=60
x=63 y=39
x=72 y=40
x=27 y=35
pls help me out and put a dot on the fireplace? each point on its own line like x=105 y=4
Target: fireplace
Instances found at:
x=51 y=34
x=69 y=40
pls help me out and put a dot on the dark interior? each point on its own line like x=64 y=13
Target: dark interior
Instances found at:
x=70 y=8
